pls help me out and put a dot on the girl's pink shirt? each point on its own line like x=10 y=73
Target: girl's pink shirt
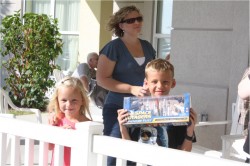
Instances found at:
x=67 y=150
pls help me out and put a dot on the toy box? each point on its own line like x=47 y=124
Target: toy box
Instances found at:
x=163 y=110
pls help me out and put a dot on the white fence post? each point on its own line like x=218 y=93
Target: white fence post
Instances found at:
x=90 y=148
x=29 y=152
x=82 y=153
x=15 y=150
x=3 y=150
x=43 y=153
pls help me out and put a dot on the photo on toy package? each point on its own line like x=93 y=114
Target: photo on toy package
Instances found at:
x=165 y=110
x=148 y=135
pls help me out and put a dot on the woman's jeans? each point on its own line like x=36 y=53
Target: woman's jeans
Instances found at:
x=111 y=126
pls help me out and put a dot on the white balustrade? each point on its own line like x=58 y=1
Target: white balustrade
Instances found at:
x=88 y=147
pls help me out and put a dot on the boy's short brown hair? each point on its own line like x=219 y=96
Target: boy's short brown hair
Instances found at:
x=159 y=65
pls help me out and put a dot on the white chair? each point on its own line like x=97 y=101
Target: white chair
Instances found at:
x=6 y=103
x=58 y=75
x=232 y=144
x=50 y=90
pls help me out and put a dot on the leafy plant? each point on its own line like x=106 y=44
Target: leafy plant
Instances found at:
x=31 y=45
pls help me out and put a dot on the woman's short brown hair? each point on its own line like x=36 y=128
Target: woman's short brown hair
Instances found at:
x=117 y=17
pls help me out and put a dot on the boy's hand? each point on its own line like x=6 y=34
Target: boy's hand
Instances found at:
x=122 y=116
x=193 y=119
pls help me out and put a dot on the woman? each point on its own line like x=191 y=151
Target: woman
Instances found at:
x=121 y=65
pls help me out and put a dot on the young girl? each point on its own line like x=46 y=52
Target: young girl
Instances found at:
x=70 y=104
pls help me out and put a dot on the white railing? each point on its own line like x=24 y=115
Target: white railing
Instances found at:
x=88 y=147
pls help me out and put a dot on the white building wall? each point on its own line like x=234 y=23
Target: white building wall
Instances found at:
x=209 y=49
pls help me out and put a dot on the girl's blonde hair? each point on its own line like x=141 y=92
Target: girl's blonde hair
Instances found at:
x=159 y=65
x=118 y=17
x=69 y=82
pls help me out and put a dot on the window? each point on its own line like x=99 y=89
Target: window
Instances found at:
x=162 y=27
x=67 y=12
x=37 y=6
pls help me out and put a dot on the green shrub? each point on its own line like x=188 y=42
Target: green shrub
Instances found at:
x=31 y=45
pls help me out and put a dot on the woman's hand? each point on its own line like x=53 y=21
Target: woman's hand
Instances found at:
x=139 y=91
x=193 y=120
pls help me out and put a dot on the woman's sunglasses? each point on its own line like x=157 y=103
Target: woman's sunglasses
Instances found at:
x=132 y=20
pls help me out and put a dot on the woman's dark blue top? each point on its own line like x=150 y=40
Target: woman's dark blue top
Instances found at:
x=126 y=70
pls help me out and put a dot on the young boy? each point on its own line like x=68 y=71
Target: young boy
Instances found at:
x=159 y=81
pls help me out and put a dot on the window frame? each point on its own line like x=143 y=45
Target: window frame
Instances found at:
x=63 y=33
x=157 y=36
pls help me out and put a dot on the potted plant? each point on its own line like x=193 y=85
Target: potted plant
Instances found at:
x=30 y=44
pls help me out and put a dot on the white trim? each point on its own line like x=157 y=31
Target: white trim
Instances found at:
x=52 y=8
x=210 y=123
x=154 y=42
x=160 y=35
x=23 y=6
x=69 y=33
x=157 y=36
